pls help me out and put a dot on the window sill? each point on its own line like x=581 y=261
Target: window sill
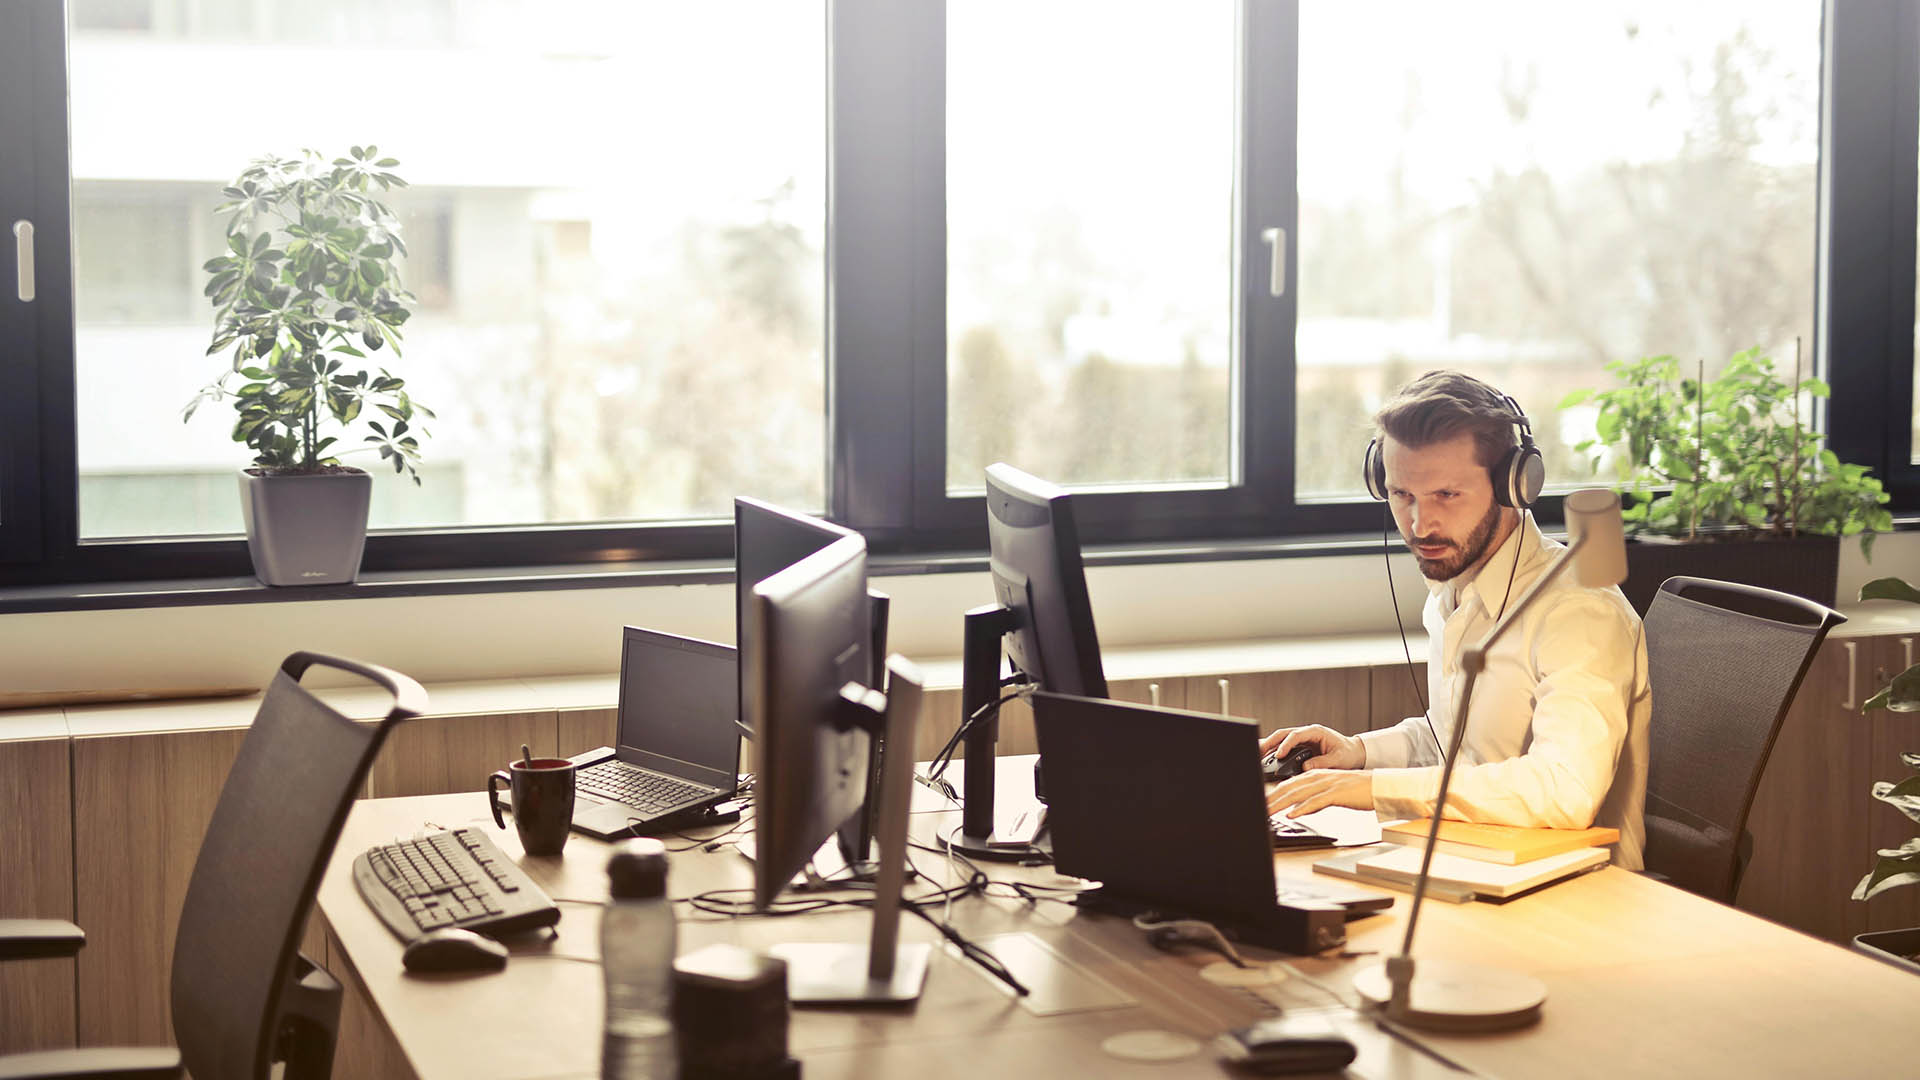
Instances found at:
x=107 y=596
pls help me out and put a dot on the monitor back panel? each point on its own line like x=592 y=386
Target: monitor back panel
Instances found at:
x=1162 y=806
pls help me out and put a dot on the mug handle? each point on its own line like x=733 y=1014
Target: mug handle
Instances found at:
x=493 y=796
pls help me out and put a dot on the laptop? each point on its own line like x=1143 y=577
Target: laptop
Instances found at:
x=678 y=743
x=1167 y=810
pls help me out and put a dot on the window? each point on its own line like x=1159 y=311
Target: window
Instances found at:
x=843 y=256
x=1546 y=188
x=614 y=229
x=1090 y=241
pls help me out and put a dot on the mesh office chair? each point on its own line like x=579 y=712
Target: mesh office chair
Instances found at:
x=1723 y=663
x=243 y=997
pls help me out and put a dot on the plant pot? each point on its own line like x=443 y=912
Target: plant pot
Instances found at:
x=306 y=528
x=1807 y=566
x=1896 y=947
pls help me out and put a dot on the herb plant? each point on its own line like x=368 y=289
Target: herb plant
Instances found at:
x=1727 y=457
x=308 y=279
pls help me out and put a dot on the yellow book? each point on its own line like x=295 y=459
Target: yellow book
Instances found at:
x=1509 y=844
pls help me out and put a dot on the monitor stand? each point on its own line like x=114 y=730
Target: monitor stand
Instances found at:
x=980 y=664
x=881 y=971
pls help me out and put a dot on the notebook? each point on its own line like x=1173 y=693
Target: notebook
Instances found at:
x=678 y=741
x=1509 y=844
x=1452 y=877
x=1167 y=810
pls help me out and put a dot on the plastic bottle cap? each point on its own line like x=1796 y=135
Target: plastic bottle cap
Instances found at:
x=638 y=870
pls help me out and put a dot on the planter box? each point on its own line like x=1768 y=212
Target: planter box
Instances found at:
x=1806 y=566
x=1892 y=947
x=306 y=529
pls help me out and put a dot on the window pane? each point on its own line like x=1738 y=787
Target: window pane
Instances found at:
x=614 y=228
x=1542 y=188
x=1090 y=154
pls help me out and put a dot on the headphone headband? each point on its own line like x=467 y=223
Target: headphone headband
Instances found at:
x=1517 y=477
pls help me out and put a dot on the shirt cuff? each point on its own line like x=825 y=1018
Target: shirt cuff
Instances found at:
x=1405 y=793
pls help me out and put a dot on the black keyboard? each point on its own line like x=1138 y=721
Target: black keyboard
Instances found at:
x=617 y=781
x=453 y=878
x=1288 y=833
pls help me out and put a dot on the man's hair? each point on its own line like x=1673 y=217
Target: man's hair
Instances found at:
x=1440 y=405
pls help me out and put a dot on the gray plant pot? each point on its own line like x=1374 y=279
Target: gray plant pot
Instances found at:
x=1806 y=566
x=1895 y=947
x=306 y=529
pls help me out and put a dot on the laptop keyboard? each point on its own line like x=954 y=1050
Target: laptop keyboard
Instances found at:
x=1289 y=833
x=617 y=781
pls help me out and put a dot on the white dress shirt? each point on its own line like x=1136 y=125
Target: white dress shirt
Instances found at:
x=1558 y=728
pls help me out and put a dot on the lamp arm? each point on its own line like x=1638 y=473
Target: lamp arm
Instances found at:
x=1472 y=662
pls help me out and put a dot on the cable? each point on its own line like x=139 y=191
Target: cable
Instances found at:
x=991 y=708
x=1393 y=595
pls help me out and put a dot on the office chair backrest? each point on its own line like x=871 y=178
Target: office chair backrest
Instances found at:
x=260 y=865
x=1723 y=663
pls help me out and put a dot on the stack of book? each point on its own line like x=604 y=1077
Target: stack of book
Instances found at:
x=1470 y=860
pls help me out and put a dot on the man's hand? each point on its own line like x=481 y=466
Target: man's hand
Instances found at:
x=1337 y=751
x=1311 y=791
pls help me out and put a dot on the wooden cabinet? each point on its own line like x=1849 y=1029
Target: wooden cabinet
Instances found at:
x=141 y=804
x=1814 y=822
x=1395 y=692
x=36 y=882
x=1334 y=697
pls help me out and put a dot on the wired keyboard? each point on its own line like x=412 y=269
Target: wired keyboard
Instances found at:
x=617 y=781
x=458 y=878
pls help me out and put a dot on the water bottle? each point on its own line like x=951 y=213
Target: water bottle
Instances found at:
x=637 y=944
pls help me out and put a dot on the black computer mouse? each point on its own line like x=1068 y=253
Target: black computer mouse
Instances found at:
x=1274 y=768
x=451 y=949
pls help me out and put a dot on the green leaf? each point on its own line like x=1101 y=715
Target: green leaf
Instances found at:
x=1903 y=796
x=1895 y=867
x=1889 y=588
x=1575 y=398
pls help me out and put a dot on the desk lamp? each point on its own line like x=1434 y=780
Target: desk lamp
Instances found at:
x=1448 y=996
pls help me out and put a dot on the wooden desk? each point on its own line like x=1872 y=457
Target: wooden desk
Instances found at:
x=1643 y=979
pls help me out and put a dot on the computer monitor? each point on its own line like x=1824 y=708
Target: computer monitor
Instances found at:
x=1042 y=623
x=766 y=540
x=805 y=651
x=1034 y=555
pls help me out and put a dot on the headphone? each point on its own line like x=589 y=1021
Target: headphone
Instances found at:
x=1517 y=477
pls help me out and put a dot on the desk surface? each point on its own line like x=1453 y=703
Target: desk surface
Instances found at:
x=1642 y=978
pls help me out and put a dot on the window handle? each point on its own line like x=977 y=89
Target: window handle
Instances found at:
x=23 y=257
x=1276 y=238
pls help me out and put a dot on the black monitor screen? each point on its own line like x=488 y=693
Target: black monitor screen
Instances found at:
x=1034 y=555
x=808 y=633
x=766 y=540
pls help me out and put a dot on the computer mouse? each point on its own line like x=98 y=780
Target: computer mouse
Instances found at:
x=1274 y=768
x=453 y=949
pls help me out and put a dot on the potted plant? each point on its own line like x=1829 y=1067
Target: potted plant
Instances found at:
x=1894 y=867
x=1722 y=478
x=307 y=281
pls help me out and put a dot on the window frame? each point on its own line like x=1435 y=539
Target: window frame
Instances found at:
x=885 y=270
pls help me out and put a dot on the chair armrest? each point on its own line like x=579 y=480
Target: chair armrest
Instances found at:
x=112 y=1063
x=26 y=939
x=1655 y=875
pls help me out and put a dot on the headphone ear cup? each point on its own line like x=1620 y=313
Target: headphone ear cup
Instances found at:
x=1529 y=476
x=1373 y=469
x=1518 y=477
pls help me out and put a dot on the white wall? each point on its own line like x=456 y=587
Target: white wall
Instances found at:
x=576 y=631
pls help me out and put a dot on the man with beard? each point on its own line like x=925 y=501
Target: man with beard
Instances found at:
x=1558 y=730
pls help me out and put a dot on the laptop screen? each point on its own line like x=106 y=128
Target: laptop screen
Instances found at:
x=679 y=703
x=1163 y=806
